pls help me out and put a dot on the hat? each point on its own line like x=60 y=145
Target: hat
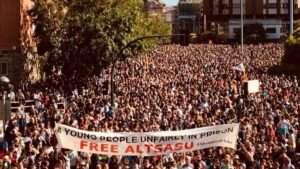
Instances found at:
x=236 y=157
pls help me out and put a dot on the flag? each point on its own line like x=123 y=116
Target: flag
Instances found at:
x=146 y=62
x=244 y=77
x=240 y=67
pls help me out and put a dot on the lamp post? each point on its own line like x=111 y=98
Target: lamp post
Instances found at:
x=4 y=80
x=242 y=25
x=291 y=17
x=115 y=59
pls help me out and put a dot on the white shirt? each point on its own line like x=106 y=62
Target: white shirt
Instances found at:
x=292 y=140
x=188 y=166
x=283 y=124
x=73 y=158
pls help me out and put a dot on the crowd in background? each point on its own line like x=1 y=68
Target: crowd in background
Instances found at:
x=175 y=88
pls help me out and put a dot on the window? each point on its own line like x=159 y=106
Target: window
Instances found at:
x=236 y=6
x=284 y=5
x=272 y=11
x=271 y=30
x=225 y=6
x=272 y=5
x=235 y=30
x=3 y=68
x=284 y=11
x=225 y=1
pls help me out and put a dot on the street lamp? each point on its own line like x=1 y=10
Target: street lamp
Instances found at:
x=121 y=53
x=4 y=80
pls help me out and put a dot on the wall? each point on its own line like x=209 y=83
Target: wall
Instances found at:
x=9 y=23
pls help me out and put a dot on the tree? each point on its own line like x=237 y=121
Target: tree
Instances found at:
x=82 y=37
x=295 y=38
x=290 y=63
x=253 y=33
x=292 y=47
x=296 y=33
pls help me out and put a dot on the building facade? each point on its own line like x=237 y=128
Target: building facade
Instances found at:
x=169 y=14
x=16 y=38
x=273 y=27
x=155 y=7
x=230 y=9
x=224 y=14
x=188 y=16
x=158 y=8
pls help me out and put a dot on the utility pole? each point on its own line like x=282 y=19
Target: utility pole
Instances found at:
x=291 y=17
x=242 y=25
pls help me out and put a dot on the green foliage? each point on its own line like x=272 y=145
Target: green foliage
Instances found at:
x=292 y=47
x=287 y=69
x=295 y=38
x=291 y=40
x=83 y=37
x=253 y=33
x=291 y=58
x=296 y=33
x=292 y=51
x=193 y=38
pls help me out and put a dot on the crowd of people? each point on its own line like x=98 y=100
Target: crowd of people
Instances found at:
x=178 y=88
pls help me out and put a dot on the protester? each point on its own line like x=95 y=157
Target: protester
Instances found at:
x=181 y=88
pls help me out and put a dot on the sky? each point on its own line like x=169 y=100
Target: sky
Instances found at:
x=171 y=2
x=175 y=2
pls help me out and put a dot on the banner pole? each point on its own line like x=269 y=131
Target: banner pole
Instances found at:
x=141 y=145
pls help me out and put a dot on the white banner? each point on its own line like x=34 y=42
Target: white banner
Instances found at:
x=253 y=86
x=147 y=144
